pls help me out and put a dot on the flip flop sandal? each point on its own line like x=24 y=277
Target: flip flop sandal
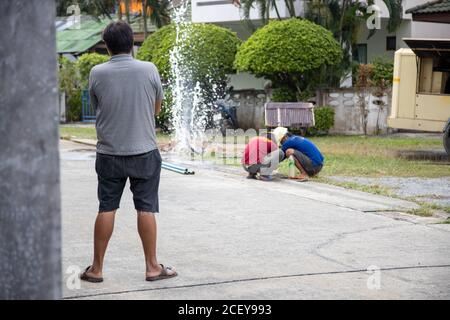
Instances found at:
x=299 y=179
x=163 y=275
x=87 y=278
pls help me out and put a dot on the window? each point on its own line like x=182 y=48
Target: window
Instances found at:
x=360 y=53
x=391 y=43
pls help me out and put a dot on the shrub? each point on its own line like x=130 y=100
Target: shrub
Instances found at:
x=74 y=106
x=86 y=62
x=209 y=49
x=283 y=94
x=206 y=52
x=69 y=82
x=324 y=120
x=383 y=71
x=379 y=72
x=288 y=50
x=73 y=77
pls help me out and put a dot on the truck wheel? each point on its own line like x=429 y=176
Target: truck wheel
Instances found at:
x=446 y=140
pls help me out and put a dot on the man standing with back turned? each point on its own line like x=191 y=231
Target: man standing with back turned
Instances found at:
x=126 y=94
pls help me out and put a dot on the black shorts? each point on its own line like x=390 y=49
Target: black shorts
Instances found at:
x=143 y=170
x=307 y=163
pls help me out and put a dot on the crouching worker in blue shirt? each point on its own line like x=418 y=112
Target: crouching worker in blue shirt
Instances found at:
x=307 y=156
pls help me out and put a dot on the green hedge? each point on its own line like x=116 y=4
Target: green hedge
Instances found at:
x=74 y=77
x=324 y=120
x=288 y=52
x=209 y=52
x=209 y=49
x=86 y=62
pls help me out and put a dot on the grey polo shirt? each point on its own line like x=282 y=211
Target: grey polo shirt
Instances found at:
x=123 y=92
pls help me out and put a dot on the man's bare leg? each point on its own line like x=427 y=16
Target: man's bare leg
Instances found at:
x=148 y=233
x=303 y=175
x=104 y=226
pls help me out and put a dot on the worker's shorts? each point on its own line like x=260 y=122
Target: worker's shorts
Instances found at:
x=268 y=165
x=143 y=170
x=307 y=163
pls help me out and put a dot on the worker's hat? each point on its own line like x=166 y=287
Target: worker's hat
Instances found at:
x=279 y=133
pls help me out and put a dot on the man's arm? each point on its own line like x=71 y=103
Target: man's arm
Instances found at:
x=159 y=93
x=158 y=105
x=92 y=97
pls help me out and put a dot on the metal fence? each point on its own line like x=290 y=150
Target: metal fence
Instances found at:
x=87 y=111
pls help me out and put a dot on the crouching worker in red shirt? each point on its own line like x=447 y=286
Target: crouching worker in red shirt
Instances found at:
x=261 y=156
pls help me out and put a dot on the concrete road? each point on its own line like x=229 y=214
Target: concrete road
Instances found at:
x=232 y=238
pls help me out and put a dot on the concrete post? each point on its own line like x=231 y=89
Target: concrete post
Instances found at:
x=30 y=239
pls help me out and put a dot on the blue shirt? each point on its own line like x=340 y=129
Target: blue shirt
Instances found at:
x=304 y=146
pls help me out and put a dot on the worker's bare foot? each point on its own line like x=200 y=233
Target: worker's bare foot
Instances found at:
x=301 y=178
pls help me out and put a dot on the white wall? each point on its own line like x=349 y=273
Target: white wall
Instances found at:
x=216 y=11
x=245 y=81
x=376 y=45
x=222 y=11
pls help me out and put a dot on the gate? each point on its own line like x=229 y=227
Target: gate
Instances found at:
x=87 y=111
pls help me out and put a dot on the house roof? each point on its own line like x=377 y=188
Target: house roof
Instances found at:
x=431 y=7
x=81 y=37
x=76 y=38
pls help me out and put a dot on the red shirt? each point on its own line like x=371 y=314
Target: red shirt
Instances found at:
x=256 y=149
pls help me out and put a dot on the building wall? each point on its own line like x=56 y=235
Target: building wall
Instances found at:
x=346 y=105
x=376 y=45
x=216 y=11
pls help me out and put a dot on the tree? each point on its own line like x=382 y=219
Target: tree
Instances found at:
x=343 y=18
x=73 y=78
x=210 y=49
x=86 y=62
x=157 y=10
x=206 y=55
x=94 y=8
x=287 y=52
x=264 y=8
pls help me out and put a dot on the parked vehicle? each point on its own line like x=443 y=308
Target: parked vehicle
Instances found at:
x=225 y=116
x=421 y=88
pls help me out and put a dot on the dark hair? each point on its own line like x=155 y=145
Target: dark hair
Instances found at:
x=118 y=37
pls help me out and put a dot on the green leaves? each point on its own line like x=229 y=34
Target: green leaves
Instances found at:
x=211 y=49
x=288 y=46
x=288 y=52
x=324 y=120
x=86 y=62
x=206 y=50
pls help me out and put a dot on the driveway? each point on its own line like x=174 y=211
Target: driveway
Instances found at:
x=233 y=238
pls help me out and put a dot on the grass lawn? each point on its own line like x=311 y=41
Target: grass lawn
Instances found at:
x=67 y=132
x=377 y=157
x=345 y=155
x=88 y=132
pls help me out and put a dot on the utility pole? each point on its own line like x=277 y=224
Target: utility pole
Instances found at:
x=30 y=223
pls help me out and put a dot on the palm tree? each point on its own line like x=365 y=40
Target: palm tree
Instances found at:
x=264 y=8
x=343 y=10
x=127 y=11
x=158 y=11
